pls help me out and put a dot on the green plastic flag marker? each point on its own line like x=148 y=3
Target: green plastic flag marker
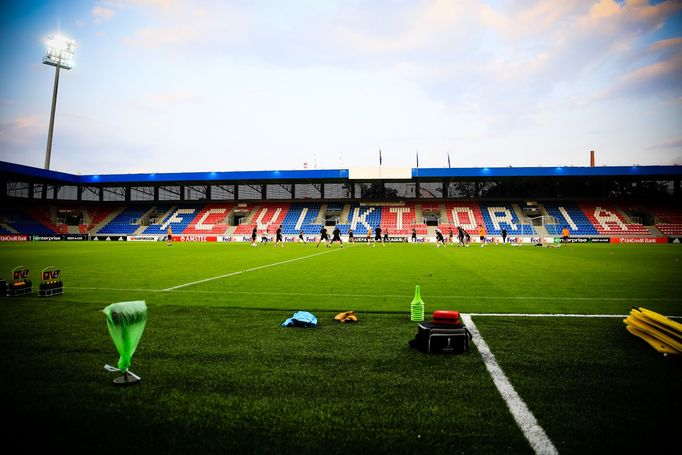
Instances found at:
x=126 y=322
x=417 y=306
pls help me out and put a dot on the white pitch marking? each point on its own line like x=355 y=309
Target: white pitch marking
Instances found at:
x=524 y=418
x=550 y=315
x=247 y=270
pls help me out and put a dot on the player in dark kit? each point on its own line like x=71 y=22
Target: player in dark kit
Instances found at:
x=300 y=237
x=323 y=236
x=336 y=236
x=414 y=235
x=278 y=236
x=351 y=239
x=460 y=235
x=377 y=236
x=504 y=236
x=439 y=239
x=254 y=235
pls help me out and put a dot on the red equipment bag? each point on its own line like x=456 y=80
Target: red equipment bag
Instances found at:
x=446 y=317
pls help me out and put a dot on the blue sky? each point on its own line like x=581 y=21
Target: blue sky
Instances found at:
x=170 y=85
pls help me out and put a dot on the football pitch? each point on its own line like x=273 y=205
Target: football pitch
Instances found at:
x=219 y=374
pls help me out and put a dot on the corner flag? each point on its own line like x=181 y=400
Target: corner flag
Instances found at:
x=448 y=159
x=379 y=157
x=417 y=159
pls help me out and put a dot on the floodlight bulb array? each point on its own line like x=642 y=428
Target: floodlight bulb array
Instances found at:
x=60 y=51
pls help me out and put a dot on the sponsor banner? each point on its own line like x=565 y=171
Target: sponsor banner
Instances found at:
x=363 y=239
x=13 y=238
x=675 y=240
x=195 y=238
x=58 y=237
x=573 y=240
x=108 y=238
x=227 y=239
x=537 y=240
x=583 y=240
x=75 y=237
x=639 y=240
x=47 y=238
x=144 y=238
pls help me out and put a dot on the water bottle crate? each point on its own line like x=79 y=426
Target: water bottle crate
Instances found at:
x=16 y=291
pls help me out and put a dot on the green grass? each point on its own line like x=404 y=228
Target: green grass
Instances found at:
x=220 y=375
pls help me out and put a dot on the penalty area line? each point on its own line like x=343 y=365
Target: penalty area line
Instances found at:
x=247 y=270
x=534 y=433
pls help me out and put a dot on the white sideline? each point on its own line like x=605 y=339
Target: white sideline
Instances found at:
x=551 y=315
x=248 y=270
x=525 y=419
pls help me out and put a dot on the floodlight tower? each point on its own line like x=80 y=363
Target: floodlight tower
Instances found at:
x=60 y=55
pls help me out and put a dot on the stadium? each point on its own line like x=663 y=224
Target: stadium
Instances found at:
x=219 y=371
x=182 y=277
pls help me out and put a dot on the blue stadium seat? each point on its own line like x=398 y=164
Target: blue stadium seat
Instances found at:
x=185 y=214
x=124 y=222
x=503 y=210
x=575 y=213
x=23 y=223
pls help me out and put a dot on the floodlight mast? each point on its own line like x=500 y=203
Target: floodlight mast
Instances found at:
x=60 y=52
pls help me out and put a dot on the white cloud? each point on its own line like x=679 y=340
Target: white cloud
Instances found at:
x=102 y=14
x=21 y=130
x=669 y=144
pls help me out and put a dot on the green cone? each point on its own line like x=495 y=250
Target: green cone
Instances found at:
x=126 y=322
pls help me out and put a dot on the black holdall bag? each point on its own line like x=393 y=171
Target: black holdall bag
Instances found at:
x=441 y=339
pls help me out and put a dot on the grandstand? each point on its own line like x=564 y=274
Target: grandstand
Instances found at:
x=233 y=203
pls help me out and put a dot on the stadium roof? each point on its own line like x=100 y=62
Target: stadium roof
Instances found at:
x=32 y=173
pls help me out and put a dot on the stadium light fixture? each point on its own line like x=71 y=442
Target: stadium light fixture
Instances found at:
x=60 y=51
